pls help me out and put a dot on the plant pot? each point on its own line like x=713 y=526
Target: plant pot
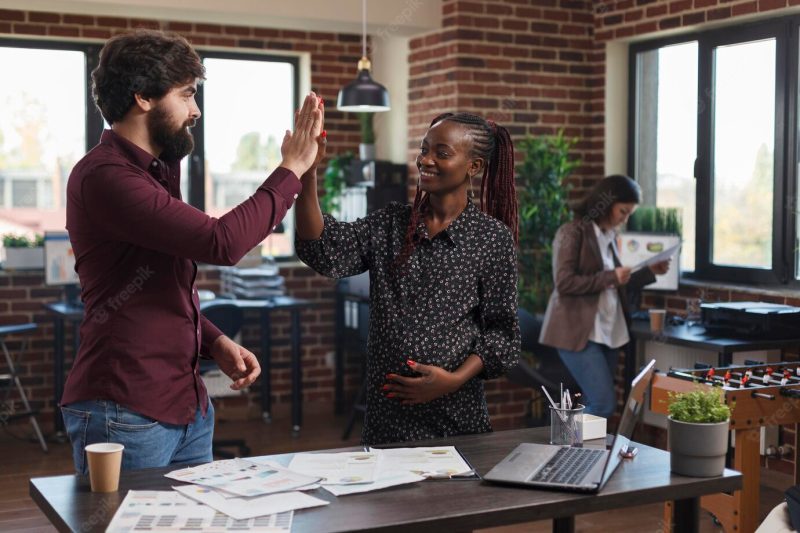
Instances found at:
x=366 y=152
x=24 y=258
x=698 y=450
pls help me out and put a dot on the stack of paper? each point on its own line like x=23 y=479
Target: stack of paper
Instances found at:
x=169 y=511
x=355 y=472
x=243 y=489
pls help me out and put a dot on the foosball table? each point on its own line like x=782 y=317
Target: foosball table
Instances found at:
x=758 y=396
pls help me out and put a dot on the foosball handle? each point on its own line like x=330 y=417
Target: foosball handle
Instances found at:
x=791 y=393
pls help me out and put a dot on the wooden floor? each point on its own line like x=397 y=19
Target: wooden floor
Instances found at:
x=21 y=460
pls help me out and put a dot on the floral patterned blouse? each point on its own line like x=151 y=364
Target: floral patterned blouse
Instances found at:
x=457 y=296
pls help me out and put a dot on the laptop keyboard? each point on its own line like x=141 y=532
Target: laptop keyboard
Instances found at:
x=569 y=465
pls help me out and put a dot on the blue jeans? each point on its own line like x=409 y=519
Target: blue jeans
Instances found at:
x=593 y=369
x=148 y=443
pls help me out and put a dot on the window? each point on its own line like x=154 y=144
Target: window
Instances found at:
x=48 y=122
x=43 y=133
x=248 y=103
x=709 y=134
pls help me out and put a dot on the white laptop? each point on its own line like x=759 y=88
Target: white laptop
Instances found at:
x=548 y=466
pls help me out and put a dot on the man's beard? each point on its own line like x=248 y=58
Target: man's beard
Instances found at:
x=175 y=143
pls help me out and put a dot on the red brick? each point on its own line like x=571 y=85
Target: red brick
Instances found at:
x=114 y=22
x=744 y=9
x=79 y=19
x=12 y=15
x=179 y=26
x=64 y=31
x=5 y=27
x=694 y=18
x=268 y=32
x=514 y=24
x=704 y=3
x=52 y=18
x=30 y=29
x=470 y=7
x=208 y=28
x=237 y=30
x=719 y=13
x=656 y=11
x=767 y=5
x=680 y=5
x=632 y=16
x=95 y=33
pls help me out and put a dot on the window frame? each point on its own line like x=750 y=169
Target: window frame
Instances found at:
x=196 y=161
x=785 y=31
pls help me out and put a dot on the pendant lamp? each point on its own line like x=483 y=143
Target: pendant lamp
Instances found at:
x=363 y=95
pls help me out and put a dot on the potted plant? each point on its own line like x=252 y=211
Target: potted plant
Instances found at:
x=652 y=219
x=366 y=150
x=22 y=252
x=543 y=208
x=698 y=426
x=334 y=181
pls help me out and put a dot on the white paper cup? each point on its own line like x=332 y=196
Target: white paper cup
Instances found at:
x=105 y=462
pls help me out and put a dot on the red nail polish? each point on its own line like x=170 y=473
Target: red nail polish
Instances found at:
x=410 y=363
x=385 y=387
x=388 y=376
x=324 y=134
x=390 y=395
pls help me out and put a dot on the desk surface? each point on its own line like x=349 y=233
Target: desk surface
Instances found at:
x=427 y=506
x=697 y=337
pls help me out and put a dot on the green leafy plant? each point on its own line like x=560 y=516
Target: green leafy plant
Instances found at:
x=704 y=405
x=11 y=240
x=367 y=129
x=651 y=219
x=334 y=181
x=543 y=207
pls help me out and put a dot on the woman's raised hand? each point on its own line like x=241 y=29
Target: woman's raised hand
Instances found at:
x=299 y=149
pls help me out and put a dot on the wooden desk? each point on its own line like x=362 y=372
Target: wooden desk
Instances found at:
x=433 y=506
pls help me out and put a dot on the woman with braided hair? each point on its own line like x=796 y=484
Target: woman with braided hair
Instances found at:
x=443 y=282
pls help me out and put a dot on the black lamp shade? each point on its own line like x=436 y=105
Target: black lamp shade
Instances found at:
x=363 y=95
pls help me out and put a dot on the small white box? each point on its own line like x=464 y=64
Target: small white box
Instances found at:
x=594 y=427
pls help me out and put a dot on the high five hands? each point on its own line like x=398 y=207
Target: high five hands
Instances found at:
x=300 y=149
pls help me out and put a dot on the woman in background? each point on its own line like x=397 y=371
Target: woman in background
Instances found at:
x=443 y=282
x=587 y=315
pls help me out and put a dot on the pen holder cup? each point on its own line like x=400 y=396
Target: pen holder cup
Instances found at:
x=566 y=426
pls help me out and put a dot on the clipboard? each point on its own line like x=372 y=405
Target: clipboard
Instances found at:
x=472 y=474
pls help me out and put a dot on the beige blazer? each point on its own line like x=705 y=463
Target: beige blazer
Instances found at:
x=579 y=279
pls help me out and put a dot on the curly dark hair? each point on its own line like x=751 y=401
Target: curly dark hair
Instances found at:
x=145 y=62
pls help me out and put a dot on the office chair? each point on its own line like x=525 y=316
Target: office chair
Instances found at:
x=228 y=318
x=548 y=370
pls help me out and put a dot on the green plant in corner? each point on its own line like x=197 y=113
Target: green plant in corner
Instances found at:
x=704 y=405
x=11 y=240
x=333 y=181
x=543 y=208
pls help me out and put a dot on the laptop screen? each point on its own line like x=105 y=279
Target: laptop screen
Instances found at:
x=627 y=422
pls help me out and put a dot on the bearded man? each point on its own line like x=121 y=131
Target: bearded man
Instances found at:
x=135 y=378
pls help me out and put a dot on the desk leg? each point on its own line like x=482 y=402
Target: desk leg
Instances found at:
x=686 y=515
x=565 y=524
x=297 y=376
x=58 y=378
x=338 y=358
x=266 y=366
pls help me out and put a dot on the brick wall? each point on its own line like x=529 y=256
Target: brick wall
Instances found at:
x=526 y=65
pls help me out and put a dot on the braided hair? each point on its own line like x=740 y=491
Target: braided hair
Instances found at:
x=492 y=143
